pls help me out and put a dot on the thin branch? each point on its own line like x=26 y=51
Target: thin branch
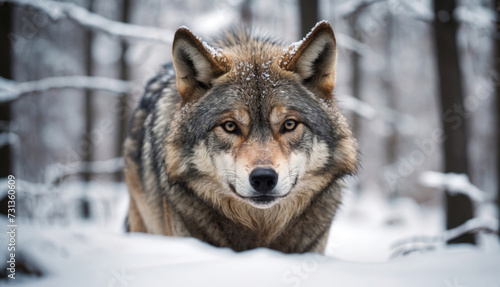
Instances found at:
x=23 y=185
x=421 y=243
x=61 y=172
x=474 y=225
x=11 y=90
x=478 y=17
x=418 y=11
x=357 y=106
x=349 y=8
x=401 y=122
x=415 y=11
x=455 y=184
x=58 y=10
x=349 y=43
x=110 y=166
x=8 y=138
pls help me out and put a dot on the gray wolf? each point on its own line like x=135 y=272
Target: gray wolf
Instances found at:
x=240 y=143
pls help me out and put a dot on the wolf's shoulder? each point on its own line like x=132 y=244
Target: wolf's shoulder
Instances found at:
x=162 y=84
x=146 y=116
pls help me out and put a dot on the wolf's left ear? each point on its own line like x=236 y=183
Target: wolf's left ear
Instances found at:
x=196 y=64
x=314 y=59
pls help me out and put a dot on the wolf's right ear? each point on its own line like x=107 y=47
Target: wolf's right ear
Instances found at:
x=196 y=64
x=314 y=59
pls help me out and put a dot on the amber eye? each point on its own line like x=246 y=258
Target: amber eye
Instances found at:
x=289 y=125
x=230 y=127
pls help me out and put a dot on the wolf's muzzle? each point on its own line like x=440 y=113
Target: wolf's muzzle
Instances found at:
x=263 y=180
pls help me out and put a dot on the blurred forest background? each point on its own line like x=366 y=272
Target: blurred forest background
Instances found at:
x=418 y=80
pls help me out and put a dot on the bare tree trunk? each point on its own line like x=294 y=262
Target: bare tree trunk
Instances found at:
x=497 y=86
x=5 y=115
x=89 y=113
x=458 y=207
x=391 y=97
x=356 y=77
x=123 y=110
x=356 y=70
x=246 y=13
x=308 y=15
x=89 y=66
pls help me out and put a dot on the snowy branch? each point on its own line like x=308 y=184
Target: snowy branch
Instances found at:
x=349 y=8
x=474 y=225
x=351 y=44
x=454 y=184
x=60 y=172
x=476 y=16
x=59 y=10
x=7 y=138
x=415 y=9
x=4 y=139
x=422 y=243
x=23 y=185
x=57 y=173
x=401 y=122
x=419 y=10
x=361 y=108
x=11 y=90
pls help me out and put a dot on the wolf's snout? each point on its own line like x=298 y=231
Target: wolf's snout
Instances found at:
x=263 y=180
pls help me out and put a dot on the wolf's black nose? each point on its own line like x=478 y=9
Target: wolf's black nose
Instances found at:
x=263 y=179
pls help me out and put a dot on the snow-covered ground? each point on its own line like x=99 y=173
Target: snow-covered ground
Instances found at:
x=362 y=251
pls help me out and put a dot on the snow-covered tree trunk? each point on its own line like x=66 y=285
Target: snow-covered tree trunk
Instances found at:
x=125 y=98
x=356 y=76
x=309 y=15
x=497 y=86
x=89 y=112
x=5 y=117
x=388 y=84
x=246 y=12
x=458 y=206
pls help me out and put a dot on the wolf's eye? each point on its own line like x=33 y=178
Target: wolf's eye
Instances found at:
x=230 y=127
x=289 y=125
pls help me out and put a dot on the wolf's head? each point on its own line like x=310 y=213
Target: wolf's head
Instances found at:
x=256 y=124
